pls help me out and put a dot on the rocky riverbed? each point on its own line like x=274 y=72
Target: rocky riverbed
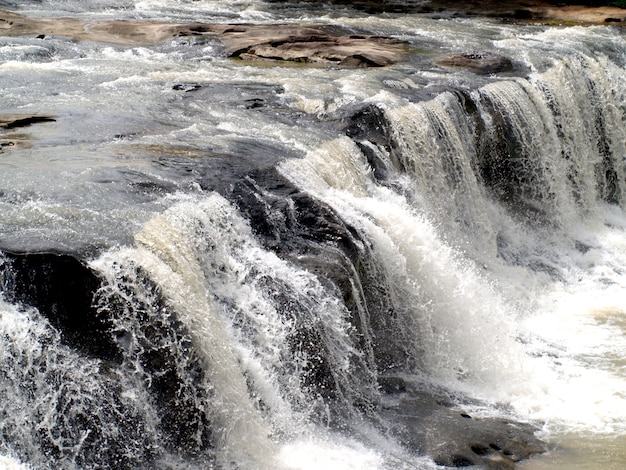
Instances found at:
x=323 y=44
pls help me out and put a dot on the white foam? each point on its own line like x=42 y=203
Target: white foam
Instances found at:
x=8 y=463
x=340 y=454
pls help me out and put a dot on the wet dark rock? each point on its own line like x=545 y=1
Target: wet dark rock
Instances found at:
x=505 y=168
x=484 y=63
x=523 y=14
x=149 y=334
x=309 y=234
x=88 y=315
x=392 y=385
x=6 y=143
x=371 y=131
x=426 y=425
x=254 y=103
x=186 y=88
x=61 y=287
x=582 y=247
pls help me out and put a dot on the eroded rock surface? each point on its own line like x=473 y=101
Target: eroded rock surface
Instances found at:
x=311 y=45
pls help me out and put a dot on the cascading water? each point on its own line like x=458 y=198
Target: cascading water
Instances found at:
x=323 y=268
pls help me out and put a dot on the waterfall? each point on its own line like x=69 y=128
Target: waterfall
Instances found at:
x=476 y=186
x=435 y=298
x=257 y=323
x=59 y=406
x=440 y=259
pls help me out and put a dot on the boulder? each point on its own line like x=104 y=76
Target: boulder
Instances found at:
x=318 y=45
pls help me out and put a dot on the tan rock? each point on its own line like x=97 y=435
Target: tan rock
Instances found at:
x=117 y=32
x=311 y=45
x=582 y=14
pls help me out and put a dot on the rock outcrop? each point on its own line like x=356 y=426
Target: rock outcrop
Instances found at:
x=88 y=314
x=301 y=44
x=322 y=45
x=552 y=12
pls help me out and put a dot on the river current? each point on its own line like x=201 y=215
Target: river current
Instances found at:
x=482 y=253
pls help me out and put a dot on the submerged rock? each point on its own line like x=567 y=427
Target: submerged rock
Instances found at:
x=483 y=63
x=16 y=121
x=428 y=423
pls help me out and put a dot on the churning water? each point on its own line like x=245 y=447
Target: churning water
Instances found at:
x=272 y=243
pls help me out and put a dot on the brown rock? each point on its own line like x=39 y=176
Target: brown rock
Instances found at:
x=483 y=63
x=318 y=45
x=12 y=140
x=110 y=31
x=545 y=11
x=306 y=44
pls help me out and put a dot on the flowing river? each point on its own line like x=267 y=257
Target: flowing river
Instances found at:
x=265 y=249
